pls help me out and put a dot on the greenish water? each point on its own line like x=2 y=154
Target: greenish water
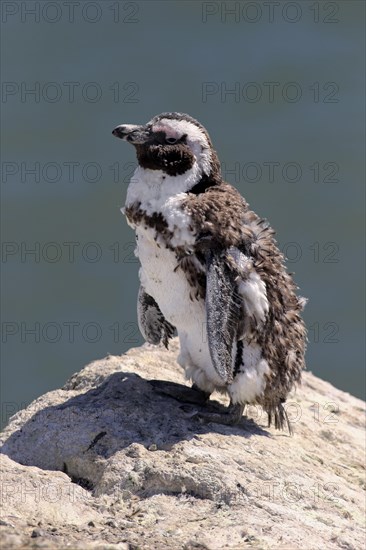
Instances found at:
x=280 y=89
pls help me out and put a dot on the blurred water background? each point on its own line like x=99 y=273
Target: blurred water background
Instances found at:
x=280 y=88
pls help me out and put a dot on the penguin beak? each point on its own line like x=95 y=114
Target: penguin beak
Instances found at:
x=132 y=133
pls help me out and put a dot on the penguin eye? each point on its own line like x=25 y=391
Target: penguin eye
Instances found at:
x=171 y=140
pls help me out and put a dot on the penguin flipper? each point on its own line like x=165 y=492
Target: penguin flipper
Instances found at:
x=223 y=312
x=152 y=323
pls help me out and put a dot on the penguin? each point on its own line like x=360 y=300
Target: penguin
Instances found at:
x=212 y=273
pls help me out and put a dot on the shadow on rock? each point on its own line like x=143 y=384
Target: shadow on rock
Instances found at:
x=82 y=434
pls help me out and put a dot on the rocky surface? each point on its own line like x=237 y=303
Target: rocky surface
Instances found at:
x=107 y=463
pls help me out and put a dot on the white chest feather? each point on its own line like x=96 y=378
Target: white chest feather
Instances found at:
x=161 y=279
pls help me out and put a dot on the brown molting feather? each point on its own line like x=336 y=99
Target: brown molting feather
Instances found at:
x=137 y=216
x=195 y=276
x=215 y=213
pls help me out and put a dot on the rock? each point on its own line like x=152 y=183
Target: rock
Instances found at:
x=106 y=462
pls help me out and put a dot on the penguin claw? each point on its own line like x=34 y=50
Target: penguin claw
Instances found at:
x=231 y=417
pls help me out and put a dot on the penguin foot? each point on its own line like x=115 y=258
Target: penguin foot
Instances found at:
x=181 y=393
x=231 y=417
